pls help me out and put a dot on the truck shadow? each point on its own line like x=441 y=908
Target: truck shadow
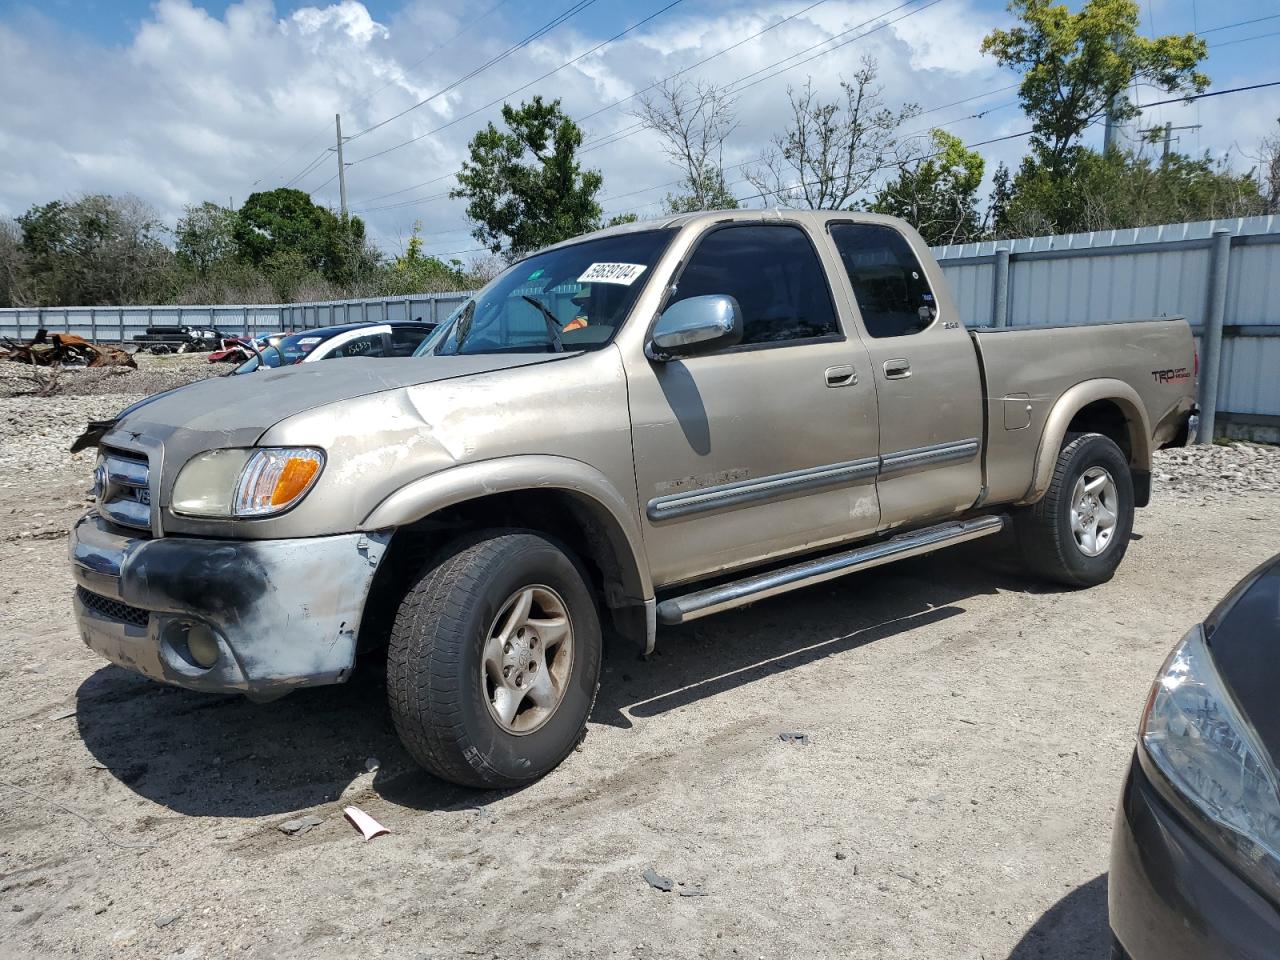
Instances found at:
x=1074 y=928
x=206 y=755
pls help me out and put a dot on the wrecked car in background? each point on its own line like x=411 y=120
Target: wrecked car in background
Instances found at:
x=396 y=338
x=643 y=426
x=47 y=349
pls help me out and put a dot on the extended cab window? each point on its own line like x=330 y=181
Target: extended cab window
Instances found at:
x=773 y=273
x=891 y=289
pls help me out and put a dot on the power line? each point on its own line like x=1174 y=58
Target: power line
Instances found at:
x=504 y=97
x=546 y=28
x=438 y=46
x=879 y=26
x=1228 y=43
x=636 y=128
x=365 y=99
x=1238 y=23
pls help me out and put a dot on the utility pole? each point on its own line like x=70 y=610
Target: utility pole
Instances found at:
x=1168 y=138
x=342 y=168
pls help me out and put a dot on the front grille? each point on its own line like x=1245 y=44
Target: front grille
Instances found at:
x=112 y=609
x=123 y=486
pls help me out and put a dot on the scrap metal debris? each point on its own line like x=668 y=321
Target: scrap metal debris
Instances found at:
x=47 y=349
x=299 y=826
x=368 y=826
x=657 y=881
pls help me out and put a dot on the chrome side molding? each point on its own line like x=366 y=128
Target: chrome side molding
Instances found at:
x=702 y=603
x=765 y=488
x=779 y=485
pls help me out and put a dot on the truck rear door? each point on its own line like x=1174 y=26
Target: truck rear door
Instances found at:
x=926 y=373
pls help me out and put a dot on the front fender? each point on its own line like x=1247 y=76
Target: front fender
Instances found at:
x=1064 y=410
x=470 y=481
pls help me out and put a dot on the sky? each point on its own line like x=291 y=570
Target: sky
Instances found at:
x=177 y=101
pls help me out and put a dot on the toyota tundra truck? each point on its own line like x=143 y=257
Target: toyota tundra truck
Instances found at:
x=631 y=429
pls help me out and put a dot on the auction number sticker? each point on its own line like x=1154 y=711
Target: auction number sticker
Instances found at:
x=622 y=273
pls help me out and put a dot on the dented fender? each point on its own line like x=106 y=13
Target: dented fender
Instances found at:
x=471 y=481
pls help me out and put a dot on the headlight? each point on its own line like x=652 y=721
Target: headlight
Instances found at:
x=246 y=483
x=1203 y=743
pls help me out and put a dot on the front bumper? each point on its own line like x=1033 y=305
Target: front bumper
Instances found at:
x=1171 y=896
x=283 y=613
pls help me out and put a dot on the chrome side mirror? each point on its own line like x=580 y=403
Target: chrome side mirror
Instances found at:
x=695 y=325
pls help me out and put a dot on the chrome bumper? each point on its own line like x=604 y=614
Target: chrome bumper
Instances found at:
x=283 y=613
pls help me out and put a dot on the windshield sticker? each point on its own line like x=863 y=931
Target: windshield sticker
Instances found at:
x=535 y=275
x=623 y=273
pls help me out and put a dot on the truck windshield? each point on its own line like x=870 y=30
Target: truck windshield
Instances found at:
x=571 y=298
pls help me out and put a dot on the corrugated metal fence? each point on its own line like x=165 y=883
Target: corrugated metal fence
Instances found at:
x=1149 y=271
x=1076 y=278
x=122 y=324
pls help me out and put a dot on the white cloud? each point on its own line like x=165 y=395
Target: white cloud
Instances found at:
x=197 y=107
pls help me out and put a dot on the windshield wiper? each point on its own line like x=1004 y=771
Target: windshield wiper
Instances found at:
x=553 y=324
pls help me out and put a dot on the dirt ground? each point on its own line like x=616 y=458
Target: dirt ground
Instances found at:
x=968 y=731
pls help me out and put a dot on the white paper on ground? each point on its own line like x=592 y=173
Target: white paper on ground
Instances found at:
x=364 y=823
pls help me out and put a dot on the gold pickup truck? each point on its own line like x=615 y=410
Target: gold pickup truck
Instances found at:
x=634 y=428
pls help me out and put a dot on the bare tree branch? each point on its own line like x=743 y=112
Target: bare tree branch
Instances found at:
x=693 y=121
x=831 y=152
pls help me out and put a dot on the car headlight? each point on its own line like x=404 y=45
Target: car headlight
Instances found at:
x=257 y=482
x=1202 y=742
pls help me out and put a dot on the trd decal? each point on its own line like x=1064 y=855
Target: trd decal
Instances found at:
x=1172 y=375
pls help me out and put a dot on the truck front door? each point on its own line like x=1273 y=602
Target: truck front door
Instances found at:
x=767 y=447
x=926 y=375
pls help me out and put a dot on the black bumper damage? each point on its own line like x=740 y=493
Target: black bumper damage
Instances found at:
x=270 y=615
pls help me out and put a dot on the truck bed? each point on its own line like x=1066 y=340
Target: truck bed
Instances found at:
x=1026 y=369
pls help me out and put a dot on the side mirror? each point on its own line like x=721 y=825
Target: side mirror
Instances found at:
x=695 y=325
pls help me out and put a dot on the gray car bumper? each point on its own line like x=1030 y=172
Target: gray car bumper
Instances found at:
x=282 y=613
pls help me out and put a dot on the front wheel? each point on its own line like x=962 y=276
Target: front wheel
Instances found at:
x=1078 y=533
x=494 y=660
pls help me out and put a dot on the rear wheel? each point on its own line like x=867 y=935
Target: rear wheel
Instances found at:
x=494 y=660
x=1078 y=533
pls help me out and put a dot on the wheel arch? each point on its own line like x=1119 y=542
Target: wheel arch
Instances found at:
x=1106 y=406
x=563 y=498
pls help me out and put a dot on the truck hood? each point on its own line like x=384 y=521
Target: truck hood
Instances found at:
x=236 y=411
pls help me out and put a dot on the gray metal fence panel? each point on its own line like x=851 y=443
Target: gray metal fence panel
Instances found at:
x=1151 y=271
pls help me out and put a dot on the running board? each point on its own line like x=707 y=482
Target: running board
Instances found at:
x=703 y=603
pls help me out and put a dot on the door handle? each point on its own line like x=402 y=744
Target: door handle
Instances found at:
x=897 y=369
x=841 y=376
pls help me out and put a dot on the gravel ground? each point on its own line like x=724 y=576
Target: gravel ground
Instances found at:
x=968 y=731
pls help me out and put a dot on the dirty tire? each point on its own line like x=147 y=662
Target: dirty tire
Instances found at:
x=435 y=672
x=1049 y=548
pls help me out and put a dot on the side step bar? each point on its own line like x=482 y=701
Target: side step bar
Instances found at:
x=703 y=603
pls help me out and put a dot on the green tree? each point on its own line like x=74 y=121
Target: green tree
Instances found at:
x=205 y=236
x=414 y=273
x=998 y=201
x=937 y=193
x=95 y=249
x=283 y=231
x=1118 y=190
x=1077 y=67
x=524 y=187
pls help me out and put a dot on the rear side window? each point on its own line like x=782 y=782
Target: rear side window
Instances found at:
x=405 y=340
x=891 y=289
x=773 y=273
x=369 y=345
